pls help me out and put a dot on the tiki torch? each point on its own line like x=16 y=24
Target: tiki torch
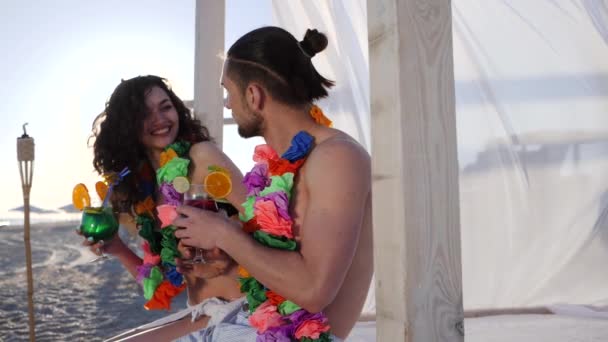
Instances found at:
x=25 y=156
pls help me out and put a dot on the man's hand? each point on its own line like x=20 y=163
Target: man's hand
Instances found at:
x=201 y=228
x=216 y=262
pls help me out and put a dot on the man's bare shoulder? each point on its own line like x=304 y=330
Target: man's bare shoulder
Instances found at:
x=339 y=155
x=338 y=148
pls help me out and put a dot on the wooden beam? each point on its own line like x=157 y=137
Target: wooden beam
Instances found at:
x=415 y=172
x=209 y=44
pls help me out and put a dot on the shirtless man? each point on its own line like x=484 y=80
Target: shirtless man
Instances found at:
x=271 y=84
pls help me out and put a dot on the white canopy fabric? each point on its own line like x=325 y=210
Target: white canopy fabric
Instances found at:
x=531 y=80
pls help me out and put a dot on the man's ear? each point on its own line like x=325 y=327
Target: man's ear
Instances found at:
x=255 y=96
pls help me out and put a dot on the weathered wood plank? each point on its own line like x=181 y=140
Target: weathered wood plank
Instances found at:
x=415 y=170
x=209 y=44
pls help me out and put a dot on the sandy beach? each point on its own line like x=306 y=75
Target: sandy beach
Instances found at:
x=74 y=300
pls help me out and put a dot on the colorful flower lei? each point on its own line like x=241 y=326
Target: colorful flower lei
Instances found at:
x=158 y=275
x=266 y=216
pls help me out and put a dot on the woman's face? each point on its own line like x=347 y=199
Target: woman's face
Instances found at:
x=162 y=123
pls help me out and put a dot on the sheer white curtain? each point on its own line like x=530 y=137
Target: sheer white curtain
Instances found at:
x=532 y=101
x=531 y=93
x=345 y=60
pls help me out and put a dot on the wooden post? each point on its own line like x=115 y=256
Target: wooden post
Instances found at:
x=209 y=44
x=415 y=172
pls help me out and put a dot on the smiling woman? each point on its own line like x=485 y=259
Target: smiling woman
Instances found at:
x=147 y=105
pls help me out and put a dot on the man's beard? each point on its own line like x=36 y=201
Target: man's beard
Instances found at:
x=252 y=128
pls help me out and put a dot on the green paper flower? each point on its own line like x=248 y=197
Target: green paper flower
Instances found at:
x=283 y=182
x=148 y=232
x=175 y=167
x=248 y=206
x=180 y=147
x=255 y=292
x=275 y=242
x=288 y=307
x=151 y=283
x=169 y=244
x=324 y=337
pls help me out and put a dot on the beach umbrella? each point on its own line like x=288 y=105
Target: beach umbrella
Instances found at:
x=25 y=157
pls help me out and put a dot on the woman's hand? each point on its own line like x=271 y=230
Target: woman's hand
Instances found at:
x=112 y=246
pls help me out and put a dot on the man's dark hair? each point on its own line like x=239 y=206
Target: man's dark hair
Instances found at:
x=274 y=58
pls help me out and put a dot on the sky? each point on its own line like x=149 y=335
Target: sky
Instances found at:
x=62 y=60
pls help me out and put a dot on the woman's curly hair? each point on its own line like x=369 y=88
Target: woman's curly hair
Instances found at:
x=117 y=134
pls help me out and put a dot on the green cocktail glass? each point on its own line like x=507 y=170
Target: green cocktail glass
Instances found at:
x=98 y=223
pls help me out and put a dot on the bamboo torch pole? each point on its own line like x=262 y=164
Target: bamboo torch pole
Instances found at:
x=25 y=156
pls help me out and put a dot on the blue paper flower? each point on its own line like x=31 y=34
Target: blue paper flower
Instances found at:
x=173 y=276
x=300 y=146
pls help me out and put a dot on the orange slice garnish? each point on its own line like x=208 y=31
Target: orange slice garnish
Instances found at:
x=102 y=190
x=80 y=197
x=218 y=184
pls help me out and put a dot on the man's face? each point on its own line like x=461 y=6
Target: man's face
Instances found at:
x=249 y=121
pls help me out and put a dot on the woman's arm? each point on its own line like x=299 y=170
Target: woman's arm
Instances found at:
x=207 y=154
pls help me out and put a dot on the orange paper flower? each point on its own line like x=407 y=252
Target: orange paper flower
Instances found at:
x=243 y=273
x=271 y=222
x=147 y=206
x=319 y=117
x=274 y=298
x=251 y=226
x=282 y=166
x=162 y=296
x=166 y=156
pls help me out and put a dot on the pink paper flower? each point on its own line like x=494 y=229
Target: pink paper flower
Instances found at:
x=265 y=317
x=149 y=257
x=311 y=329
x=270 y=221
x=264 y=153
x=166 y=214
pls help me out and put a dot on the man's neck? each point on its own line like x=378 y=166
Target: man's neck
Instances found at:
x=284 y=123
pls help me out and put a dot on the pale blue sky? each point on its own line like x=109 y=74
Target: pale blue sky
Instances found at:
x=61 y=61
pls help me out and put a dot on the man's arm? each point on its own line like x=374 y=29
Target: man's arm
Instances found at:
x=337 y=180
